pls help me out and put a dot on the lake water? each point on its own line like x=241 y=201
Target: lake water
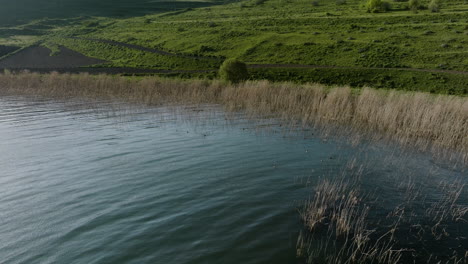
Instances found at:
x=110 y=183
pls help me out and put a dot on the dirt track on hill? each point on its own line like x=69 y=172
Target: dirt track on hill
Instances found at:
x=101 y=70
x=300 y=66
x=38 y=59
x=98 y=70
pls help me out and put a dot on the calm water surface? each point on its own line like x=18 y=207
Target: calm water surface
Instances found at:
x=124 y=185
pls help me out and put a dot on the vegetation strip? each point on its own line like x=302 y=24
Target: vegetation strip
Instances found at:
x=420 y=121
x=285 y=66
x=136 y=47
x=345 y=224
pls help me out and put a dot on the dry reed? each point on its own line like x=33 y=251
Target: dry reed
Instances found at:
x=422 y=121
x=343 y=224
x=336 y=217
x=337 y=228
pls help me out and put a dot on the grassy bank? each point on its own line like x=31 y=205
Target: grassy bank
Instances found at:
x=356 y=47
x=398 y=79
x=440 y=82
x=422 y=121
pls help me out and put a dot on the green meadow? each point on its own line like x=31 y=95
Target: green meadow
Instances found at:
x=341 y=42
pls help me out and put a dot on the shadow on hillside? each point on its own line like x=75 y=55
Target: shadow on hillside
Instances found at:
x=21 y=11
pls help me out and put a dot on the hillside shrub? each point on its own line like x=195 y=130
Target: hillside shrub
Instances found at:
x=90 y=24
x=434 y=6
x=414 y=5
x=386 y=6
x=375 y=6
x=234 y=71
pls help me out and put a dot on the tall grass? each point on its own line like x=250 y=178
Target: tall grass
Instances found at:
x=344 y=223
x=421 y=121
x=339 y=228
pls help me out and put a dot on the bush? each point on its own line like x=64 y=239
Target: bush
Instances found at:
x=233 y=71
x=414 y=5
x=374 y=6
x=434 y=6
x=90 y=24
x=386 y=6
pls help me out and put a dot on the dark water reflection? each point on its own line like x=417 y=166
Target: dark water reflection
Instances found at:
x=110 y=183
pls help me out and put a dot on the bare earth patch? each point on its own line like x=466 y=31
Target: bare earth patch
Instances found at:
x=37 y=57
x=4 y=50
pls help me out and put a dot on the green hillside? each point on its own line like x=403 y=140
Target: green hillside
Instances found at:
x=297 y=32
x=352 y=44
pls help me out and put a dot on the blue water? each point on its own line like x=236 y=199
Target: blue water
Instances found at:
x=112 y=183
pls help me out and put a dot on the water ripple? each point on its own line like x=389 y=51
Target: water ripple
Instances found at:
x=109 y=183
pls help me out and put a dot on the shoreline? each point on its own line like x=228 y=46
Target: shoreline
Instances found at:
x=414 y=120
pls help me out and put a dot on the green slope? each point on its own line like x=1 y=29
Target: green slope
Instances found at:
x=296 y=32
x=341 y=36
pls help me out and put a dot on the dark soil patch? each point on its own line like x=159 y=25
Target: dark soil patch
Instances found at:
x=4 y=50
x=37 y=57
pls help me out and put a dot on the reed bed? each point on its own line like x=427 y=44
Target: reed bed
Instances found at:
x=424 y=122
x=337 y=221
x=346 y=224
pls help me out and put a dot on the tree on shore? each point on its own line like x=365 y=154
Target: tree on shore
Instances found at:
x=233 y=70
x=375 y=6
x=414 y=5
x=434 y=6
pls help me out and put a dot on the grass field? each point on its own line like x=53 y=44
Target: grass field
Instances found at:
x=356 y=46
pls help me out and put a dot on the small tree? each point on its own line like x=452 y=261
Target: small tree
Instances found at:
x=414 y=5
x=341 y=2
x=374 y=6
x=434 y=6
x=233 y=70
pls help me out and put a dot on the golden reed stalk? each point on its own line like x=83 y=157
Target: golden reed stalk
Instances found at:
x=436 y=123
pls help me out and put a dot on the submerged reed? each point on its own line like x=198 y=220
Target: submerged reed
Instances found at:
x=344 y=224
x=422 y=121
x=337 y=229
